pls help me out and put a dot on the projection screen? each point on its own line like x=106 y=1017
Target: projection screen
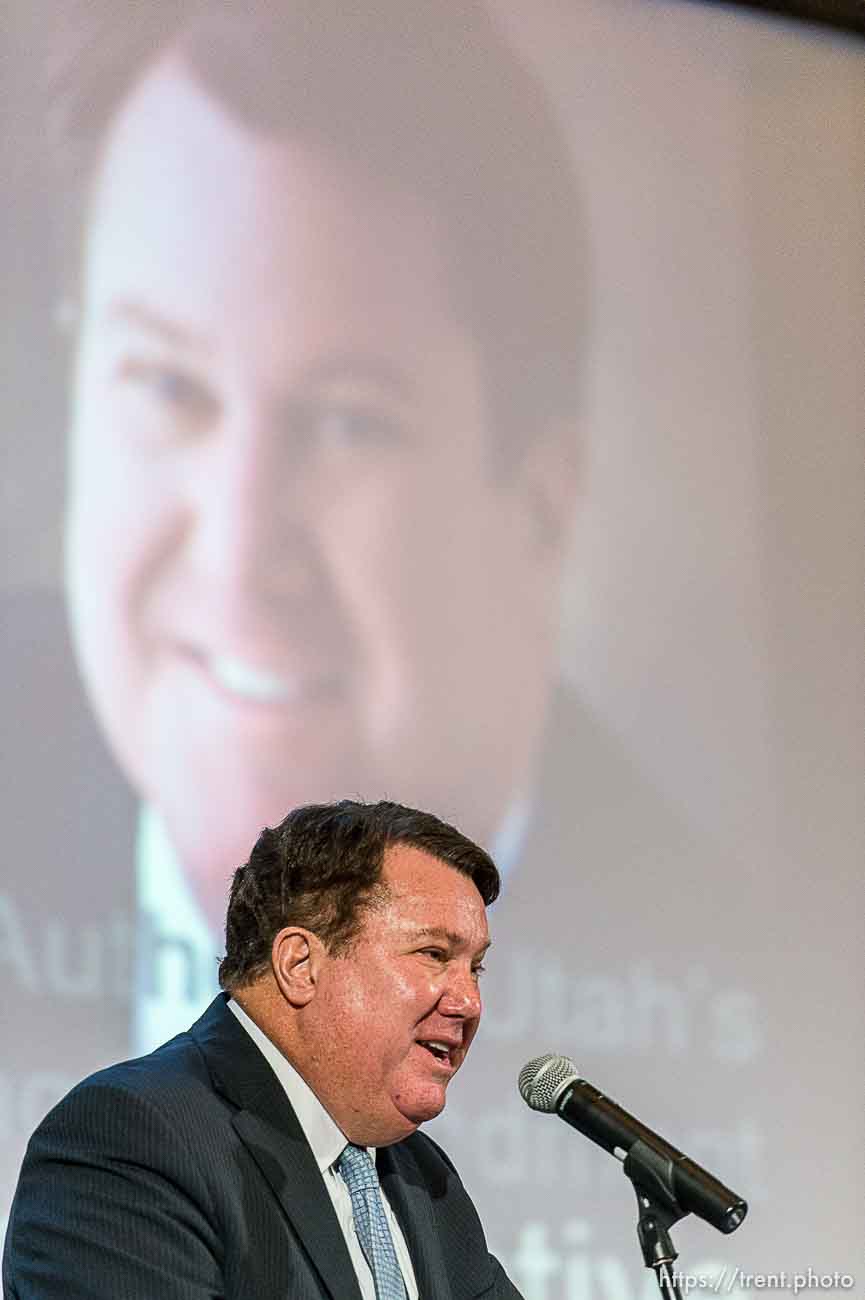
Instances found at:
x=463 y=407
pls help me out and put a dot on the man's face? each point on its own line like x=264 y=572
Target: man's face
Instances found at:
x=394 y=1016
x=292 y=574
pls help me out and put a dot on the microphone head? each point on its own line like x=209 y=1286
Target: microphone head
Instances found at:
x=543 y=1079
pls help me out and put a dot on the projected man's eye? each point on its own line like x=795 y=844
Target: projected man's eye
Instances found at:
x=336 y=427
x=163 y=399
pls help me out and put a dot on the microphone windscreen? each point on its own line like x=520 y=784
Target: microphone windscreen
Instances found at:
x=543 y=1079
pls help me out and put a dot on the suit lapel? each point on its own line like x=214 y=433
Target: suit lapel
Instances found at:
x=287 y=1163
x=403 y=1184
x=267 y=1125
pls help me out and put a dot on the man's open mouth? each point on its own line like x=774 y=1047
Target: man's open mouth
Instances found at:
x=441 y=1051
x=254 y=685
x=249 y=682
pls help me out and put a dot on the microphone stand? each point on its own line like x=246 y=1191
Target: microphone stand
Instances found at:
x=653 y=1224
x=657 y=1211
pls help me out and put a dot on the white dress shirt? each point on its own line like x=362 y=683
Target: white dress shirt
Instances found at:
x=328 y=1142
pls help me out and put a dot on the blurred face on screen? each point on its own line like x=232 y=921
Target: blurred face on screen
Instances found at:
x=293 y=574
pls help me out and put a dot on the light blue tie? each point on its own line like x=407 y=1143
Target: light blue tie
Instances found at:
x=359 y=1175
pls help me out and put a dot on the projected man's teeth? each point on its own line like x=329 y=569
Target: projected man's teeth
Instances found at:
x=251 y=683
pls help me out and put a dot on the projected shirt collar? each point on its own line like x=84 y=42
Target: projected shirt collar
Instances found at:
x=177 y=953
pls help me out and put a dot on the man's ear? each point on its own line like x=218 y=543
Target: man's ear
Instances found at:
x=296 y=957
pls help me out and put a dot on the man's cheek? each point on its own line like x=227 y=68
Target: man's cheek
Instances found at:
x=101 y=592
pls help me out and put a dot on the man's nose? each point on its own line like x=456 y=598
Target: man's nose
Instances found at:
x=462 y=996
x=248 y=529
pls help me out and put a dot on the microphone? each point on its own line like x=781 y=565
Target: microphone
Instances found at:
x=553 y=1084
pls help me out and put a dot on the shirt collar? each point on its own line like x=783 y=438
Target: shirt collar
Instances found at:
x=510 y=838
x=163 y=889
x=176 y=952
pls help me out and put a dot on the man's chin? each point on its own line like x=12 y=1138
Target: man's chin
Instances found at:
x=425 y=1106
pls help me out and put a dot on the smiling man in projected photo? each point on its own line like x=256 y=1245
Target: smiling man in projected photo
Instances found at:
x=322 y=447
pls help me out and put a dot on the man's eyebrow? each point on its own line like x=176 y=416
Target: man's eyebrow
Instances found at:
x=344 y=366
x=449 y=936
x=131 y=311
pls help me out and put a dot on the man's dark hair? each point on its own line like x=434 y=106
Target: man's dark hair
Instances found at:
x=320 y=868
x=423 y=94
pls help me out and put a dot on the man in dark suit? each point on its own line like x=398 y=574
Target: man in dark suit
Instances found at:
x=226 y=1162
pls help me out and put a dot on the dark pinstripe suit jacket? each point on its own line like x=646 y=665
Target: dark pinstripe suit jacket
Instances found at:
x=186 y=1174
